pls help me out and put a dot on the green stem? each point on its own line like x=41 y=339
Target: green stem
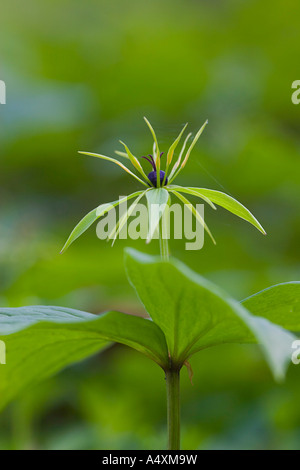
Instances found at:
x=173 y=406
x=164 y=249
x=172 y=374
x=163 y=238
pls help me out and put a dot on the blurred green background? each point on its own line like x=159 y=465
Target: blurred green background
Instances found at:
x=80 y=76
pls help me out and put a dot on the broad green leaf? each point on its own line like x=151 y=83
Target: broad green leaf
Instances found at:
x=157 y=200
x=113 y=160
x=41 y=341
x=279 y=304
x=195 y=213
x=229 y=203
x=92 y=216
x=182 y=189
x=195 y=314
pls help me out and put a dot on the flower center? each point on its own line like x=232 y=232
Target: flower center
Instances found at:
x=153 y=174
x=153 y=178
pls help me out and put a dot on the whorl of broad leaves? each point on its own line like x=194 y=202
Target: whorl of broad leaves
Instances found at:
x=187 y=314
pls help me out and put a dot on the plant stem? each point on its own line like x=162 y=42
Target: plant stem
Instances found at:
x=173 y=406
x=164 y=248
x=163 y=237
x=172 y=374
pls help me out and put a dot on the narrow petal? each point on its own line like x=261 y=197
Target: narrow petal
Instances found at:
x=171 y=152
x=196 y=214
x=135 y=162
x=231 y=204
x=176 y=165
x=115 y=232
x=92 y=216
x=113 y=160
x=185 y=190
x=121 y=154
x=174 y=145
x=157 y=152
x=191 y=147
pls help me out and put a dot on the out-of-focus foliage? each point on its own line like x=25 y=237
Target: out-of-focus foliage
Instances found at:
x=79 y=76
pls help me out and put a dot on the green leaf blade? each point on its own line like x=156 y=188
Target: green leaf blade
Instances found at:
x=41 y=341
x=280 y=304
x=195 y=314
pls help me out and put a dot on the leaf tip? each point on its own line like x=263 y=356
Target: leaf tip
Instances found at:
x=261 y=229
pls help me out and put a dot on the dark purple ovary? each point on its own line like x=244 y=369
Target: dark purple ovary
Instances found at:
x=153 y=178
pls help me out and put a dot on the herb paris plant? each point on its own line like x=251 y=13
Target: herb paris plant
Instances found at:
x=186 y=314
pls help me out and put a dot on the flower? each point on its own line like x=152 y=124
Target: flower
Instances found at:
x=152 y=176
x=159 y=188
